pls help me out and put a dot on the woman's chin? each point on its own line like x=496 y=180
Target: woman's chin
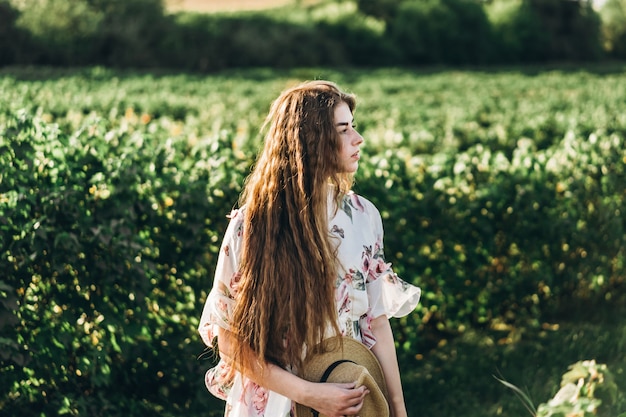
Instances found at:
x=350 y=169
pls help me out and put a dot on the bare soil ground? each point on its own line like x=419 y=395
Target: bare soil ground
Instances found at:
x=210 y=6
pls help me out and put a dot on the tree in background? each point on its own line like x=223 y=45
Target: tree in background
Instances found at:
x=83 y=32
x=572 y=28
x=10 y=36
x=461 y=31
x=442 y=32
x=613 y=15
x=140 y=34
x=66 y=29
x=380 y=9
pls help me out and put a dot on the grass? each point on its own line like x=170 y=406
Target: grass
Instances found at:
x=459 y=378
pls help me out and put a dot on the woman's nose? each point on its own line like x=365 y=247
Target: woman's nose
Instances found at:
x=358 y=139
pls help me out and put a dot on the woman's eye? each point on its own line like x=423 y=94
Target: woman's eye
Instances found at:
x=346 y=130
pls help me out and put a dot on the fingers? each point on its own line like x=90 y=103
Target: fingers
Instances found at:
x=339 y=400
x=354 y=401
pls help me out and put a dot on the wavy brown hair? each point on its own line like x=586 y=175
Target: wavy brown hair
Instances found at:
x=289 y=263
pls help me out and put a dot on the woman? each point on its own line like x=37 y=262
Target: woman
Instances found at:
x=302 y=260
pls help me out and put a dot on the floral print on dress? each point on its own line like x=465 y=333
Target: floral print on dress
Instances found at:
x=366 y=287
x=217 y=381
x=337 y=230
x=367 y=336
x=349 y=202
x=259 y=399
x=234 y=284
x=253 y=399
x=373 y=262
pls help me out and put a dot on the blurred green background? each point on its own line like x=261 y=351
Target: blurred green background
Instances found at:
x=494 y=148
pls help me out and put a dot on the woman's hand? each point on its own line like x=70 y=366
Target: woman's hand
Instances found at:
x=335 y=400
x=330 y=399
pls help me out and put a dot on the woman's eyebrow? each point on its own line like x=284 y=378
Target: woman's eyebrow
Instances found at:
x=345 y=123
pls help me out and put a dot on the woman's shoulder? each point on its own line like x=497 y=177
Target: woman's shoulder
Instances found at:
x=234 y=229
x=368 y=211
x=362 y=203
x=237 y=213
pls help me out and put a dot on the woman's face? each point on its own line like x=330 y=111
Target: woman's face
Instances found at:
x=350 y=139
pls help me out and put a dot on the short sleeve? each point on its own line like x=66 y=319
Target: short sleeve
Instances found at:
x=388 y=294
x=219 y=304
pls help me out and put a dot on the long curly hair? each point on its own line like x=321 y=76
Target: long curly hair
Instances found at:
x=289 y=262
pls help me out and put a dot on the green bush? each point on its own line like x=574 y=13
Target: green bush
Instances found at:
x=81 y=32
x=613 y=16
x=519 y=36
x=587 y=389
x=105 y=240
x=63 y=32
x=131 y=32
x=502 y=202
x=141 y=34
x=545 y=31
x=442 y=32
x=12 y=39
x=380 y=9
x=573 y=29
x=214 y=42
x=361 y=40
x=258 y=40
x=199 y=44
x=498 y=240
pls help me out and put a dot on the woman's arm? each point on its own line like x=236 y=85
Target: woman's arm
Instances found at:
x=385 y=351
x=334 y=400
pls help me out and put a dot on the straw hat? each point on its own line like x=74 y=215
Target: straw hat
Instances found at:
x=353 y=363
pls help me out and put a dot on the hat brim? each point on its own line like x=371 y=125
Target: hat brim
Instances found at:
x=343 y=360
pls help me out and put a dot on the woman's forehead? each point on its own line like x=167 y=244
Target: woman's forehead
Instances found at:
x=343 y=114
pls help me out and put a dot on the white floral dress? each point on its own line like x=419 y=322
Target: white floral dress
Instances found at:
x=366 y=288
